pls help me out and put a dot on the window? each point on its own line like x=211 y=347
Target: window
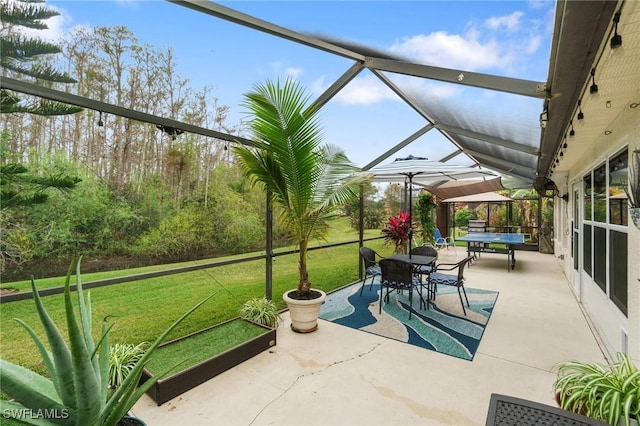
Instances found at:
x=600 y=257
x=586 y=253
x=575 y=228
x=587 y=197
x=600 y=194
x=618 y=179
x=604 y=239
x=574 y=248
x=618 y=269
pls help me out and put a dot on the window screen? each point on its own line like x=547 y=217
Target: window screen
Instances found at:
x=618 y=270
x=586 y=246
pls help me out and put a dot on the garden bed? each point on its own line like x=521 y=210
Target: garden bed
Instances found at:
x=205 y=354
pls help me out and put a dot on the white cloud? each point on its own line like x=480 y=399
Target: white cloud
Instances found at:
x=451 y=50
x=318 y=86
x=500 y=45
x=364 y=90
x=537 y=4
x=533 y=44
x=293 y=72
x=509 y=22
x=367 y=90
x=422 y=88
x=279 y=68
x=56 y=27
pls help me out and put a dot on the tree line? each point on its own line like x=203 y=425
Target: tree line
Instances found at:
x=130 y=189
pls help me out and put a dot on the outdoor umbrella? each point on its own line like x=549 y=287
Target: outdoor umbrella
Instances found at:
x=421 y=171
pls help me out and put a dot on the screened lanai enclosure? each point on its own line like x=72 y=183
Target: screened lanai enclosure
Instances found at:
x=559 y=128
x=506 y=123
x=505 y=141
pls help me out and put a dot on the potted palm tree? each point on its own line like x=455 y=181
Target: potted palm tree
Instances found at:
x=307 y=180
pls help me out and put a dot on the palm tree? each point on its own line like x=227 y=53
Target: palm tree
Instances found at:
x=309 y=181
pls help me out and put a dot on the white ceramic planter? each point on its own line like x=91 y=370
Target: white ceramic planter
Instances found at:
x=304 y=313
x=622 y=422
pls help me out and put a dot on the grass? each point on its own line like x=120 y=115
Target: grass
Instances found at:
x=185 y=353
x=141 y=310
x=339 y=231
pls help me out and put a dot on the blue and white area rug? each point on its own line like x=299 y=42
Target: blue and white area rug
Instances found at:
x=442 y=328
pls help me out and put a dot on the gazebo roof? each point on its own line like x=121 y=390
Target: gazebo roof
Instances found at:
x=478 y=198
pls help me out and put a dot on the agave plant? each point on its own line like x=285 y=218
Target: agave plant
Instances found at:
x=610 y=393
x=261 y=311
x=77 y=391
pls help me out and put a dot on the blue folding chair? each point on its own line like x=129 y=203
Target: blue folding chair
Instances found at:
x=444 y=241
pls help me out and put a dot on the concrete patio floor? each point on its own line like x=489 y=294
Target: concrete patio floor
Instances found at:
x=341 y=376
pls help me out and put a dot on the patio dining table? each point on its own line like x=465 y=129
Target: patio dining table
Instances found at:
x=415 y=259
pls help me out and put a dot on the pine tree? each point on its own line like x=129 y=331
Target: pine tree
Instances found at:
x=21 y=188
x=28 y=56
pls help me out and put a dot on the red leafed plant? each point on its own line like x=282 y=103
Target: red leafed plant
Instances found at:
x=396 y=231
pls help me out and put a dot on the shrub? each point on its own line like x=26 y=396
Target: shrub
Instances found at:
x=610 y=393
x=396 y=232
x=123 y=358
x=462 y=217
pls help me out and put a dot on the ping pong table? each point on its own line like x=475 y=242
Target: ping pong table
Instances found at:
x=478 y=242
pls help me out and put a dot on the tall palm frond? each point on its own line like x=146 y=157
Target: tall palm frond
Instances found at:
x=308 y=180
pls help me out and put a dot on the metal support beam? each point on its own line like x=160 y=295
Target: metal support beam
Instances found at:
x=402 y=95
x=503 y=164
x=414 y=105
x=68 y=98
x=516 y=86
x=337 y=85
x=231 y=15
x=268 y=291
x=452 y=155
x=361 y=266
x=398 y=147
x=486 y=138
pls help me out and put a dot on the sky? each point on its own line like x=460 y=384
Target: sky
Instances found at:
x=506 y=38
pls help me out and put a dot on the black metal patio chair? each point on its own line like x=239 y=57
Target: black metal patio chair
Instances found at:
x=372 y=269
x=398 y=275
x=457 y=280
x=424 y=250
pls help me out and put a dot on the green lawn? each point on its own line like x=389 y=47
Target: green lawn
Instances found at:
x=141 y=310
x=186 y=353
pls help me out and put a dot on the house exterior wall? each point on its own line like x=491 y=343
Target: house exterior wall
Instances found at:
x=609 y=322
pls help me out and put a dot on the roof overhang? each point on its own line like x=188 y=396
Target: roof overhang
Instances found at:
x=580 y=28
